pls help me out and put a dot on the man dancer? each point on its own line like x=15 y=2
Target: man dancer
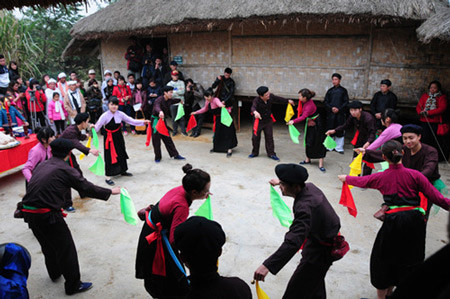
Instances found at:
x=336 y=101
x=161 y=107
x=262 y=111
x=41 y=207
x=315 y=225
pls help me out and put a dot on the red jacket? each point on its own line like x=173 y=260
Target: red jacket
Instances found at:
x=434 y=116
x=40 y=100
x=120 y=92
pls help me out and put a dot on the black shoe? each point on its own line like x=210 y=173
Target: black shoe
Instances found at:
x=342 y=152
x=84 y=286
x=192 y=134
x=126 y=174
x=274 y=157
x=174 y=134
x=110 y=182
x=184 y=134
x=179 y=157
x=56 y=279
x=211 y=150
x=229 y=154
x=252 y=156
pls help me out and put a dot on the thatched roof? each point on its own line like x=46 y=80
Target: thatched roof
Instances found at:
x=11 y=4
x=437 y=26
x=127 y=17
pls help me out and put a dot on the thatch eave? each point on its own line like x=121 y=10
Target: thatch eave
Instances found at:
x=192 y=24
x=436 y=27
x=138 y=16
x=12 y=4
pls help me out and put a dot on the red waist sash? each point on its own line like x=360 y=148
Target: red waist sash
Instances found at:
x=110 y=142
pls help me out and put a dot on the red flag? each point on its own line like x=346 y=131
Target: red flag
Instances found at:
x=192 y=123
x=273 y=119
x=355 y=138
x=149 y=135
x=299 y=108
x=347 y=200
x=255 y=126
x=370 y=165
x=161 y=128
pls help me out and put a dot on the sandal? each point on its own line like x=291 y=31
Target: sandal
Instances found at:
x=304 y=162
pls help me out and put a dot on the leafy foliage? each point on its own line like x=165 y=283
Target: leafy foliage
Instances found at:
x=17 y=44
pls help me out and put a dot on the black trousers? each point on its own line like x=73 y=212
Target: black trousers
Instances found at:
x=59 y=125
x=59 y=251
x=308 y=281
x=267 y=127
x=168 y=142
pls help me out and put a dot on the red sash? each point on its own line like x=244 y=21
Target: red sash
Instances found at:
x=355 y=138
x=109 y=141
x=159 y=261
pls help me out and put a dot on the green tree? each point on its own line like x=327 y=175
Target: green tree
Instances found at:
x=50 y=31
x=17 y=44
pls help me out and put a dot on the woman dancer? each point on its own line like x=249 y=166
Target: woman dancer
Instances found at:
x=114 y=143
x=400 y=243
x=156 y=262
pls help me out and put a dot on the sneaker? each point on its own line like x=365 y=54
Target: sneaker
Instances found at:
x=110 y=182
x=70 y=209
x=84 y=286
x=179 y=157
x=125 y=133
x=252 y=156
x=322 y=169
x=126 y=174
x=274 y=157
x=133 y=132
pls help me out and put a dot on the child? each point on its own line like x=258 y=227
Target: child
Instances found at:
x=153 y=92
x=139 y=97
x=8 y=115
x=56 y=113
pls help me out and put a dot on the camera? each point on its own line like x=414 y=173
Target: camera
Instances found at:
x=38 y=87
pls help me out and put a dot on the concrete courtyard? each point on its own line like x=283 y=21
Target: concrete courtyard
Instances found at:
x=107 y=244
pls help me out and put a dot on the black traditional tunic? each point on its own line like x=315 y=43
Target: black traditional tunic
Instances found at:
x=119 y=143
x=315 y=223
x=50 y=180
x=380 y=102
x=73 y=134
x=336 y=97
x=365 y=126
x=212 y=285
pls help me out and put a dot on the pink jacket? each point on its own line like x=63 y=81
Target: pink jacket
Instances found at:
x=52 y=114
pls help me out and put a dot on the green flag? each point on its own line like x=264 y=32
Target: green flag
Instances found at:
x=205 y=209
x=127 y=207
x=98 y=168
x=329 y=143
x=94 y=138
x=384 y=166
x=225 y=117
x=280 y=209
x=294 y=133
x=180 y=112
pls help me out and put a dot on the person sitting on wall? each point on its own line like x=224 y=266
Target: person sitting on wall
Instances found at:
x=336 y=101
x=381 y=101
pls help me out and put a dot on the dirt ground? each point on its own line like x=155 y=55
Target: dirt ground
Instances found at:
x=107 y=244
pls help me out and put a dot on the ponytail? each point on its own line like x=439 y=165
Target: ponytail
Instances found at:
x=393 y=151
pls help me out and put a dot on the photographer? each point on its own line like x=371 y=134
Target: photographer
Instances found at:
x=195 y=101
x=36 y=99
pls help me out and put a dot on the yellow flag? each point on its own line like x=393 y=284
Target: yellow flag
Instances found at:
x=289 y=113
x=88 y=145
x=355 y=167
x=260 y=293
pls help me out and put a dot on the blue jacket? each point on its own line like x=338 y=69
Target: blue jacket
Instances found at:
x=14 y=114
